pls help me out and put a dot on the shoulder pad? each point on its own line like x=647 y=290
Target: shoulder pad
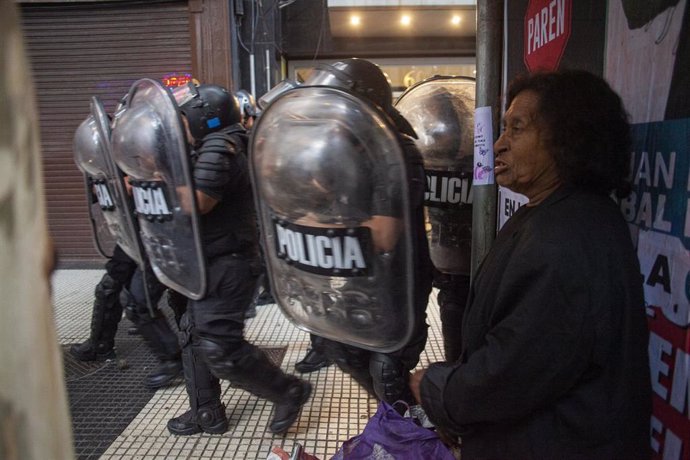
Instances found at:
x=234 y=135
x=217 y=144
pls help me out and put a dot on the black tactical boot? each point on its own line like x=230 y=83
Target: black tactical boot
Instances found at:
x=165 y=374
x=352 y=361
x=206 y=413
x=312 y=362
x=250 y=369
x=287 y=409
x=206 y=420
x=106 y=314
x=163 y=342
x=88 y=352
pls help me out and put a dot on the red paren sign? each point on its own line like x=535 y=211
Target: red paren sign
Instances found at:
x=547 y=30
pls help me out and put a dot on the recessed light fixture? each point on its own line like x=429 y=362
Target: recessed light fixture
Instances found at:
x=405 y=20
x=355 y=20
x=455 y=20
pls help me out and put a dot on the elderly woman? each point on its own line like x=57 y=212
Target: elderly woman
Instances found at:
x=554 y=354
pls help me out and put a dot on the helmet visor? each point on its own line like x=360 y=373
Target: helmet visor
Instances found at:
x=184 y=94
x=282 y=87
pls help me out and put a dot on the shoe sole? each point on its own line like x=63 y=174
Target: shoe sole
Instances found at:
x=188 y=432
x=309 y=370
x=215 y=429
x=165 y=383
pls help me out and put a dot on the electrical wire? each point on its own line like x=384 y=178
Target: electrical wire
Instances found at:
x=238 y=32
x=321 y=31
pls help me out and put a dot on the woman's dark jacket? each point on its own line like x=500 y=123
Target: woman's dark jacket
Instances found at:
x=554 y=362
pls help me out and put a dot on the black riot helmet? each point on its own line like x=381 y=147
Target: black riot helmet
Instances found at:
x=357 y=75
x=208 y=108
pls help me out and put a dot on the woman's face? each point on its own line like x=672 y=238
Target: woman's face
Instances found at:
x=523 y=163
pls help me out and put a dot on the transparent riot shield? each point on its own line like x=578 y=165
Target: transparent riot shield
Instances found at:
x=331 y=191
x=441 y=111
x=109 y=204
x=149 y=145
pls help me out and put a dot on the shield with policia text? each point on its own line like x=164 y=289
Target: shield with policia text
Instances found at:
x=149 y=144
x=441 y=111
x=331 y=191
x=110 y=208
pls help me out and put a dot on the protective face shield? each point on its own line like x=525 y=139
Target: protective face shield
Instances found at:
x=112 y=210
x=208 y=108
x=325 y=165
x=273 y=94
x=441 y=111
x=359 y=76
x=149 y=145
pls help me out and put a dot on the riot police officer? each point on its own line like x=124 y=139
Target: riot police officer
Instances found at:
x=123 y=284
x=385 y=375
x=107 y=309
x=344 y=204
x=248 y=113
x=440 y=109
x=248 y=108
x=213 y=345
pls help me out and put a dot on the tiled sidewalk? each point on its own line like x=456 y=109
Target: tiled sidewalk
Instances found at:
x=338 y=409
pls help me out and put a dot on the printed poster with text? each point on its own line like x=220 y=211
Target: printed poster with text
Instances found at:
x=548 y=35
x=642 y=48
x=647 y=63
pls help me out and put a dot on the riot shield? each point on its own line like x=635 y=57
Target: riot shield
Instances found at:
x=331 y=190
x=441 y=111
x=109 y=204
x=149 y=145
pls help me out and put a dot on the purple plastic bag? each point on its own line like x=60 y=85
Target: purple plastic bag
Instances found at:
x=390 y=436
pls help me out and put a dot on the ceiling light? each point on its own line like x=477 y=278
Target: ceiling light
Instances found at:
x=405 y=20
x=355 y=20
x=455 y=20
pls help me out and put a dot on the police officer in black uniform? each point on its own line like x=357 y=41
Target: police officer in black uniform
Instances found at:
x=107 y=309
x=122 y=285
x=385 y=375
x=213 y=344
x=248 y=112
x=441 y=110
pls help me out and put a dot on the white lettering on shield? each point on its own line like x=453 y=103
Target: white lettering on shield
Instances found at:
x=341 y=252
x=103 y=196
x=452 y=190
x=150 y=201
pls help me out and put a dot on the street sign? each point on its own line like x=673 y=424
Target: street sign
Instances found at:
x=547 y=30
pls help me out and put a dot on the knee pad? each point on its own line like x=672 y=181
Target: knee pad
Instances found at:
x=390 y=378
x=215 y=353
x=224 y=362
x=177 y=303
x=185 y=335
x=106 y=288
